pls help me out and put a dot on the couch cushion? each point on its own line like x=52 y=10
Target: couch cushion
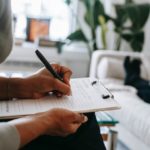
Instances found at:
x=146 y=62
x=134 y=115
x=111 y=67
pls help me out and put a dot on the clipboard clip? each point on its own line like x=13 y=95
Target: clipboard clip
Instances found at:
x=93 y=83
x=110 y=94
x=104 y=96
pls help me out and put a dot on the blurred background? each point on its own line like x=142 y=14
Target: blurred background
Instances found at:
x=92 y=38
x=68 y=31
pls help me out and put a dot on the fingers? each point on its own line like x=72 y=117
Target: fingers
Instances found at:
x=63 y=122
x=61 y=87
x=64 y=72
x=66 y=78
x=80 y=118
x=58 y=94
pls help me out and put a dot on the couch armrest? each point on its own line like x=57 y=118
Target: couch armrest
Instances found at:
x=98 y=55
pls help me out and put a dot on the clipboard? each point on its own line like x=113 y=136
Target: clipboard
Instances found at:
x=88 y=95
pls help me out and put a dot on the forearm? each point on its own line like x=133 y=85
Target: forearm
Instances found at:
x=3 y=88
x=55 y=122
x=29 y=128
x=13 y=88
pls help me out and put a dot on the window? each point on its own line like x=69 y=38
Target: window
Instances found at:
x=57 y=10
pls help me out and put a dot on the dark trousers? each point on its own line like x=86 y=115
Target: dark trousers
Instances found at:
x=86 y=138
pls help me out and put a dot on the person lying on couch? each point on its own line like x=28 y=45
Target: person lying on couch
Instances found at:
x=133 y=78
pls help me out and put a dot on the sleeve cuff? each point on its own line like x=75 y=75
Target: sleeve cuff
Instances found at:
x=9 y=137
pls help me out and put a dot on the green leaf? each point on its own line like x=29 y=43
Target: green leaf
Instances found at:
x=144 y=11
x=87 y=18
x=136 y=46
x=98 y=11
x=121 y=15
x=104 y=30
x=94 y=9
x=77 y=36
x=138 y=14
x=89 y=15
x=68 y=2
x=136 y=40
x=89 y=3
x=59 y=46
x=129 y=1
x=127 y=36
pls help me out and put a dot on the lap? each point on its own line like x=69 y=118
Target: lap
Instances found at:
x=87 y=137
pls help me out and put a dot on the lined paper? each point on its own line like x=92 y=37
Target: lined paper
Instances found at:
x=84 y=98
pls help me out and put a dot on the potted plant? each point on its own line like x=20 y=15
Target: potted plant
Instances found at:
x=129 y=22
x=94 y=17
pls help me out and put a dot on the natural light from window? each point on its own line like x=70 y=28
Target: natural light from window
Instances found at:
x=57 y=10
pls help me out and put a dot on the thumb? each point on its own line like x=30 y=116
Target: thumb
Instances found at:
x=80 y=118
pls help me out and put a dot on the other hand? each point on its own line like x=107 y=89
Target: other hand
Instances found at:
x=61 y=122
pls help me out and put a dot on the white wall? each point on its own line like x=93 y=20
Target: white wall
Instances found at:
x=147 y=37
x=23 y=58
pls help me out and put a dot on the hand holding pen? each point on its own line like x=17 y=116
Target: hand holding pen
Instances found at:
x=60 y=73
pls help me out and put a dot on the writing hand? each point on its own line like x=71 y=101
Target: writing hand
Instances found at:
x=40 y=84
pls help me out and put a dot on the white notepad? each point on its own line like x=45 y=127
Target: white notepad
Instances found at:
x=86 y=97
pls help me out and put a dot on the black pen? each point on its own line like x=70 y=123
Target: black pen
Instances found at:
x=48 y=65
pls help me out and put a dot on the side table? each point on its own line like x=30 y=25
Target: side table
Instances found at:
x=107 y=123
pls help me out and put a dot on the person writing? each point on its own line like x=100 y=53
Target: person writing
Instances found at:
x=54 y=129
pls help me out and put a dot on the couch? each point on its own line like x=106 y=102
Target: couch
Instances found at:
x=134 y=116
